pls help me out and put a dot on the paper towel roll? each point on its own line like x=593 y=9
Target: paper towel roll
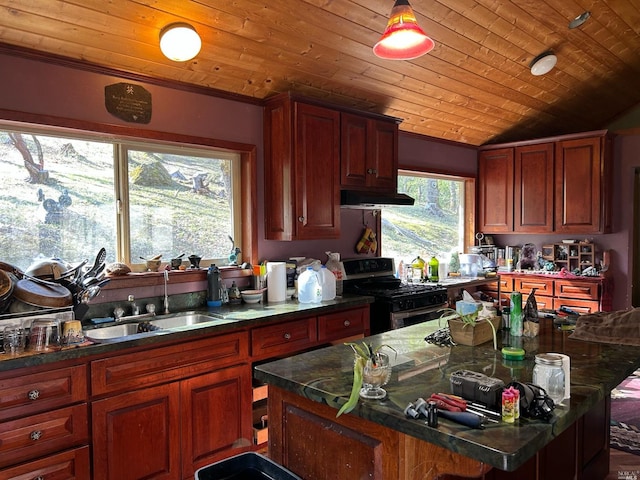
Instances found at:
x=276 y=282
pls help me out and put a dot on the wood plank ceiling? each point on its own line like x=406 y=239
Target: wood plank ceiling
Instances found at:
x=474 y=87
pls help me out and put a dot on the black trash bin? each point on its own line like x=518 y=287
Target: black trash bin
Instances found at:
x=246 y=466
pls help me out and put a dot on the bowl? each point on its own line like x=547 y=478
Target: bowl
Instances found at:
x=153 y=265
x=252 y=296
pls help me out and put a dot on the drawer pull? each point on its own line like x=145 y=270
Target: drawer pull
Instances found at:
x=287 y=336
x=35 y=435
x=347 y=323
x=33 y=395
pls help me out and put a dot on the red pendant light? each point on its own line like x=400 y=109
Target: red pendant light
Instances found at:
x=403 y=39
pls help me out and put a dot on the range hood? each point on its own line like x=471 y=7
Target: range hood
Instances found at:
x=368 y=199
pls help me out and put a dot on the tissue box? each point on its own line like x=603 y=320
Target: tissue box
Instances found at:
x=464 y=307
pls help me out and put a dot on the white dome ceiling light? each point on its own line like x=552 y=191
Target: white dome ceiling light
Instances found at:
x=179 y=42
x=543 y=63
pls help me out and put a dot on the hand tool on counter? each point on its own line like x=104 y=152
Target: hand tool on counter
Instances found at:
x=468 y=419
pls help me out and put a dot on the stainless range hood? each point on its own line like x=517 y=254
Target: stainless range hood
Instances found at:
x=368 y=199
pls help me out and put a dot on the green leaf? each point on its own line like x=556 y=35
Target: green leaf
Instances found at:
x=358 y=369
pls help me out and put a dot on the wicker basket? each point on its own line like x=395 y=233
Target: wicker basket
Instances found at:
x=466 y=334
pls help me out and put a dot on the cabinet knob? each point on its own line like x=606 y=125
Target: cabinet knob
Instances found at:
x=33 y=395
x=346 y=323
x=35 y=435
x=40 y=477
x=369 y=171
x=287 y=336
x=301 y=219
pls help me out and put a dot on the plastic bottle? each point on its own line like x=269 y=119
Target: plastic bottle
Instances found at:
x=434 y=265
x=328 y=283
x=213 y=287
x=516 y=314
x=309 y=287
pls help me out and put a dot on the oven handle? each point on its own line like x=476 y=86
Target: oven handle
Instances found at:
x=395 y=316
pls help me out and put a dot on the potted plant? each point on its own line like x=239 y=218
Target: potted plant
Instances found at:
x=370 y=367
x=468 y=329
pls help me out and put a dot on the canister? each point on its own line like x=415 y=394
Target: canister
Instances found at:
x=549 y=375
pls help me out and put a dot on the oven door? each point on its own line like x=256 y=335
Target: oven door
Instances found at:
x=412 y=317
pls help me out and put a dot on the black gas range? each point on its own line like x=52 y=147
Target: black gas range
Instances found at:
x=396 y=304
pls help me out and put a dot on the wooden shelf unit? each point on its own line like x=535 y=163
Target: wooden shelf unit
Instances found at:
x=572 y=256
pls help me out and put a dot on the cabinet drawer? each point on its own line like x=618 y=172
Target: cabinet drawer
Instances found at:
x=37 y=435
x=542 y=302
x=160 y=365
x=69 y=465
x=506 y=285
x=283 y=338
x=335 y=326
x=580 y=306
x=38 y=392
x=581 y=290
x=525 y=285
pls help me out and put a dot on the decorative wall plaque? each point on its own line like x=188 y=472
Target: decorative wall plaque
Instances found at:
x=128 y=102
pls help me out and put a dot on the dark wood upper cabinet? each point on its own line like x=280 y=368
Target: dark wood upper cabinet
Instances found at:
x=582 y=186
x=495 y=191
x=302 y=177
x=555 y=185
x=533 y=189
x=368 y=153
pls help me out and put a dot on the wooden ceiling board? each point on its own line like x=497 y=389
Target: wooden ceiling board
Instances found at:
x=474 y=87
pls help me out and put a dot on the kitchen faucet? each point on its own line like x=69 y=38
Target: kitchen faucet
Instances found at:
x=166 y=297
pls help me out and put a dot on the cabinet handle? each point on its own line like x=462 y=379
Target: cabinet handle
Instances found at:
x=346 y=323
x=33 y=395
x=287 y=336
x=35 y=435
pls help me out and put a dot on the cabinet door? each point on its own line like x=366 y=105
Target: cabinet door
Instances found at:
x=317 y=163
x=533 y=189
x=383 y=155
x=495 y=191
x=578 y=196
x=137 y=435
x=216 y=417
x=368 y=153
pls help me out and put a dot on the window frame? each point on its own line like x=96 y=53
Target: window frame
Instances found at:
x=245 y=182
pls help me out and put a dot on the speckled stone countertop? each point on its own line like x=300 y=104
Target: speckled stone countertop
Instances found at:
x=223 y=319
x=422 y=369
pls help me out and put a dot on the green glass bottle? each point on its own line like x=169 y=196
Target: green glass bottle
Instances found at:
x=433 y=269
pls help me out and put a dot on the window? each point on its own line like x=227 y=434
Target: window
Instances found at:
x=66 y=197
x=434 y=225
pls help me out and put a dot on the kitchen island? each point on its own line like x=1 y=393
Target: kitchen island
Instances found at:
x=376 y=440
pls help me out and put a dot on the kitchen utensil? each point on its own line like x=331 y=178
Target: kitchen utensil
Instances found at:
x=252 y=296
x=37 y=294
x=98 y=264
x=44 y=335
x=176 y=262
x=14 y=339
x=7 y=285
x=195 y=261
x=50 y=269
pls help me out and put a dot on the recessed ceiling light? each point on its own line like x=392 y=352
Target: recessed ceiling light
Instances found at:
x=579 y=20
x=543 y=63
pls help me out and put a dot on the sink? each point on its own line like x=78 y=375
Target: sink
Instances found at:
x=181 y=320
x=109 y=333
x=158 y=325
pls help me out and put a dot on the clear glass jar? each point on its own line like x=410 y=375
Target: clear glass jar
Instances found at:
x=549 y=374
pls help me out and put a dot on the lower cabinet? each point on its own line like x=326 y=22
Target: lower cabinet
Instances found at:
x=71 y=464
x=168 y=431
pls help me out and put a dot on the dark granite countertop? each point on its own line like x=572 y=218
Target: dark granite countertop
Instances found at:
x=223 y=319
x=422 y=369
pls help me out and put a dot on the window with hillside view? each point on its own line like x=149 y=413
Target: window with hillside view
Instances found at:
x=65 y=198
x=434 y=225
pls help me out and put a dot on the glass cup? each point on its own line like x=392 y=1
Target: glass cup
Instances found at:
x=14 y=339
x=44 y=335
x=376 y=373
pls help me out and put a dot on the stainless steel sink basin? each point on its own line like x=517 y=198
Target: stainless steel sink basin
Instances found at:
x=119 y=332
x=181 y=320
x=111 y=332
